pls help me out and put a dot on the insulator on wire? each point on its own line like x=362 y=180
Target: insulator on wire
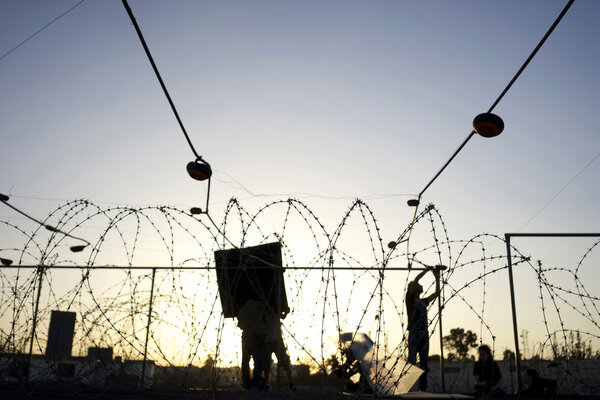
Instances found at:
x=413 y=202
x=199 y=170
x=488 y=125
x=50 y=228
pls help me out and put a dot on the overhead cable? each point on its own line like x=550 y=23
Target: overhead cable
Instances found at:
x=558 y=193
x=41 y=29
x=162 y=84
x=512 y=81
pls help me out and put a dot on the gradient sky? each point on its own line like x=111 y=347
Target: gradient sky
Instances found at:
x=322 y=100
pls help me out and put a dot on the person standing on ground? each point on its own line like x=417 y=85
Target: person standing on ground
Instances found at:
x=274 y=344
x=416 y=310
x=252 y=322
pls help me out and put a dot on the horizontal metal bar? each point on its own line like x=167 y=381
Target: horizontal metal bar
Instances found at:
x=113 y=267
x=551 y=234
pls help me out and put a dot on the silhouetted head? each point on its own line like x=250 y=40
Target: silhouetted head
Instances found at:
x=485 y=353
x=414 y=290
x=530 y=374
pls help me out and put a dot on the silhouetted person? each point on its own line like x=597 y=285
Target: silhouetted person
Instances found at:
x=353 y=350
x=418 y=337
x=274 y=344
x=536 y=385
x=252 y=321
x=486 y=374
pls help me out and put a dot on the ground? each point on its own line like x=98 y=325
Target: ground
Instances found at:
x=17 y=393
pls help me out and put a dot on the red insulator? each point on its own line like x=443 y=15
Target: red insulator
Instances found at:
x=413 y=202
x=195 y=210
x=488 y=125
x=392 y=244
x=199 y=170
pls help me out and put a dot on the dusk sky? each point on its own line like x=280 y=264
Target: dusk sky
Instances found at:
x=326 y=101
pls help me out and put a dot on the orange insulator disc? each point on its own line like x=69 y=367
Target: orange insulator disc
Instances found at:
x=199 y=171
x=488 y=125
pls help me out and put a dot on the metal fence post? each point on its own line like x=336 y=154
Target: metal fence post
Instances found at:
x=40 y=271
x=443 y=376
x=514 y=314
x=148 y=328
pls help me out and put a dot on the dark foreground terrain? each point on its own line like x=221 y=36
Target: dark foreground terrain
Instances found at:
x=20 y=393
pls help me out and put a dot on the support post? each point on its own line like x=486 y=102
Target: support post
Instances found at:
x=40 y=271
x=514 y=314
x=440 y=307
x=148 y=329
x=278 y=313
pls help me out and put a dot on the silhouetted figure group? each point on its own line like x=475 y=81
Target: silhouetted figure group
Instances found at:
x=486 y=373
x=488 y=380
x=261 y=337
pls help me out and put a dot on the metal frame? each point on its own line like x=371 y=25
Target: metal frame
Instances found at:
x=115 y=267
x=507 y=237
x=41 y=269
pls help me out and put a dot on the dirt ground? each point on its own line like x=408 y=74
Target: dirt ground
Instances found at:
x=18 y=393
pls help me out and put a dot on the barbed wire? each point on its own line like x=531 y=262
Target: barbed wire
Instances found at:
x=353 y=286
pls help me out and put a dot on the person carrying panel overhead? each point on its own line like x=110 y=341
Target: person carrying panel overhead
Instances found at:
x=274 y=344
x=252 y=321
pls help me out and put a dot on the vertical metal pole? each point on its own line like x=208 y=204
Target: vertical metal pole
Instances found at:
x=40 y=271
x=148 y=328
x=279 y=275
x=440 y=307
x=207 y=196
x=514 y=314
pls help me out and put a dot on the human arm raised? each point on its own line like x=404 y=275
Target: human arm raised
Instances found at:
x=436 y=273
x=422 y=273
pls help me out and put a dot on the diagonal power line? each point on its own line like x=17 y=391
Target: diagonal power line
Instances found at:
x=558 y=193
x=494 y=104
x=506 y=89
x=41 y=29
x=160 y=80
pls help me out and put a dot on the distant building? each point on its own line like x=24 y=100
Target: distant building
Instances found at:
x=104 y=354
x=60 y=334
x=97 y=369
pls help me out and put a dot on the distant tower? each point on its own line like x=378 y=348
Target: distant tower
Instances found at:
x=60 y=334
